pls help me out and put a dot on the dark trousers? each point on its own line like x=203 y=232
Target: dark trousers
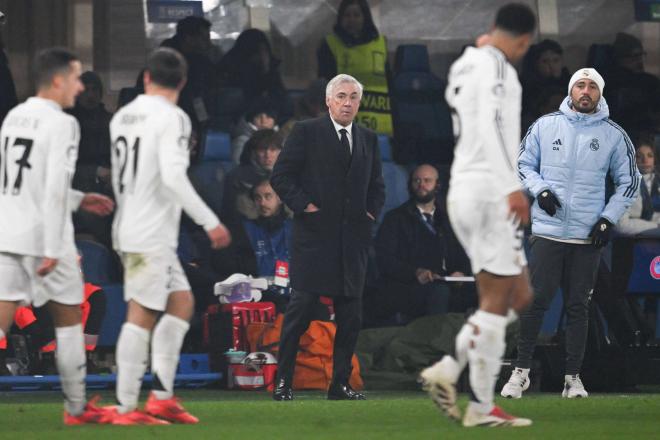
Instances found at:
x=299 y=312
x=573 y=267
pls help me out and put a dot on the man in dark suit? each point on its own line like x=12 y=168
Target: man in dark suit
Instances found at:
x=329 y=175
x=415 y=248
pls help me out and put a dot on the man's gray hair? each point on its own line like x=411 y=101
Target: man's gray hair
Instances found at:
x=341 y=79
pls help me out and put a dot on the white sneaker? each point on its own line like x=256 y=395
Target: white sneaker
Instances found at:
x=496 y=417
x=573 y=387
x=518 y=382
x=439 y=381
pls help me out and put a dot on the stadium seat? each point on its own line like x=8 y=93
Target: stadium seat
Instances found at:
x=385 y=148
x=208 y=175
x=99 y=265
x=422 y=118
x=395 y=177
x=217 y=146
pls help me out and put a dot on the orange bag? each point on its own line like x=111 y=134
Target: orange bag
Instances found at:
x=314 y=359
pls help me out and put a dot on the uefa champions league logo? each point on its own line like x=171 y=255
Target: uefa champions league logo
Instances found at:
x=655 y=268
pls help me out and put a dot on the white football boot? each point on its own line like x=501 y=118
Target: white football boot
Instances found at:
x=439 y=380
x=495 y=418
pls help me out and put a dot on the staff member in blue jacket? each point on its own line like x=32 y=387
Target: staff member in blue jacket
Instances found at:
x=270 y=233
x=564 y=160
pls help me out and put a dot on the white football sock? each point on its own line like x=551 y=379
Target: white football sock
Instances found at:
x=132 y=357
x=461 y=345
x=71 y=366
x=485 y=350
x=165 y=348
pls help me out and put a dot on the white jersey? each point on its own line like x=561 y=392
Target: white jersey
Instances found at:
x=150 y=149
x=38 y=152
x=485 y=95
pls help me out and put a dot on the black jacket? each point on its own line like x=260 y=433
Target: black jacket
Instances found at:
x=329 y=247
x=404 y=244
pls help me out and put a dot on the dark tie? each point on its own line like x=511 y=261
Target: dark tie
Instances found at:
x=346 y=146
x=429 y=222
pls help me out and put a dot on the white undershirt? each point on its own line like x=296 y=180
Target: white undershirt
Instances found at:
x=421 y=211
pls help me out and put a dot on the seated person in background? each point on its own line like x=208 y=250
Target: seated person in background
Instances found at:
x=414 y=247
x=256 y=164
x=193 y=40
x=257 y=247
x=260 y=116
x=250 y=66
x=93 y=165
x=644 y=214
x=542 y=68
x=632 y=94
x=546 y=101
x=308 y=106
x=269 y=236
x=270 y=233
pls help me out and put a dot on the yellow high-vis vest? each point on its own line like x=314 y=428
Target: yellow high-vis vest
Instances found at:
x=366 y=62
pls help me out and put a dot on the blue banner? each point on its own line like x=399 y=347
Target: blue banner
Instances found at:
x=171 y=11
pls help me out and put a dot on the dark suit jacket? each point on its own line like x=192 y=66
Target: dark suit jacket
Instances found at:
x=329 y=248
x=404 y=244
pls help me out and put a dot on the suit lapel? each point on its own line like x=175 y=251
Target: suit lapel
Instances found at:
x=335 y=144
x=331 y=133
x=357 y=149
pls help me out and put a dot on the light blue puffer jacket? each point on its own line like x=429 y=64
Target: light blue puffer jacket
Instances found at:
x=571 y=154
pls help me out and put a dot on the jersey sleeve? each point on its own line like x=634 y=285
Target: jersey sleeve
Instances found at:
x=529 y=161
x=60 y=167
x=493 y=121
x=173 y=160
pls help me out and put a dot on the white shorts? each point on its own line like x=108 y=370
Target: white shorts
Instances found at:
x=19 y=280
x=149 y=278
x=490 y=236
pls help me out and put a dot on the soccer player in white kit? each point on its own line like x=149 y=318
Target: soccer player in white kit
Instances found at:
x=150 y=157
x=38 y=257
x=486 y=206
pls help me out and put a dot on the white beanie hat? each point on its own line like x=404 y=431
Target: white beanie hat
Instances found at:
x=587 y=73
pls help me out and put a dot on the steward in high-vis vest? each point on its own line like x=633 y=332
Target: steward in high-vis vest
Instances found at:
x=356 y=48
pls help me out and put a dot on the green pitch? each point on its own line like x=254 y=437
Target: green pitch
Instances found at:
x=229 y=415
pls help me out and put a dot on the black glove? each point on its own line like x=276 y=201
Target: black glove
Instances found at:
x=600 y=233
x=548 y=202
